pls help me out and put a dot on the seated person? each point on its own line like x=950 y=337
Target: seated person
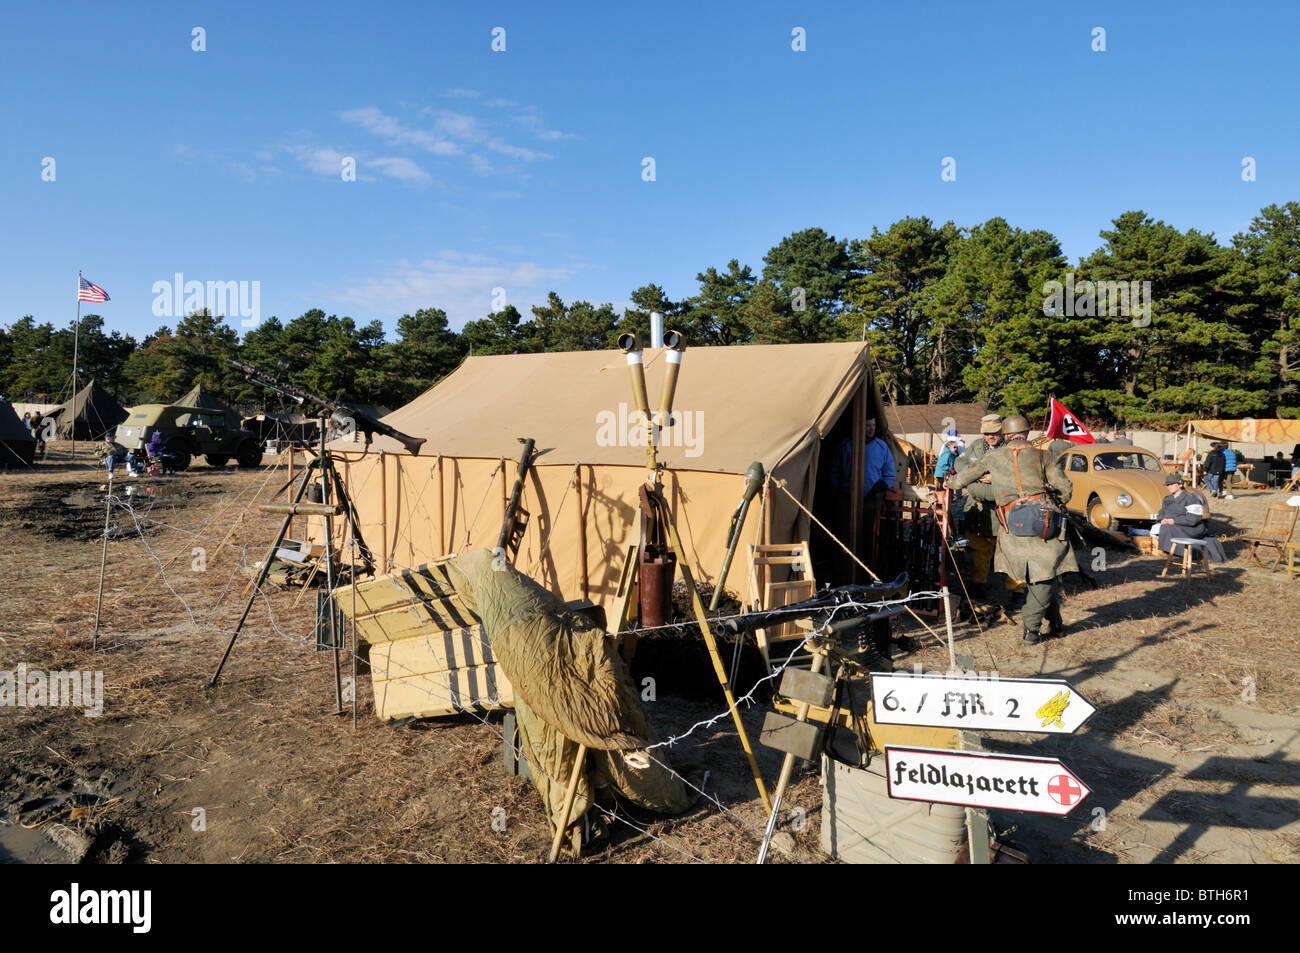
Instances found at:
x=1182 y=516
x=115 y=453
x=157 y=453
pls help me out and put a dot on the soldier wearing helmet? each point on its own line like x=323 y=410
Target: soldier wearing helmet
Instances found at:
x=1016 y=472
x=978 y=522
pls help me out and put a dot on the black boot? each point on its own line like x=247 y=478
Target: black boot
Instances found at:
x=979 y=590
x=1055 y=625
x=1030 y=637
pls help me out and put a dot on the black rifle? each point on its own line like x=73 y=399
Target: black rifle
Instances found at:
x=344 y=414
x=516 y=518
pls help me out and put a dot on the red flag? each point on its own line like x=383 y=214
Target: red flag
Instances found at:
x=1063 y=425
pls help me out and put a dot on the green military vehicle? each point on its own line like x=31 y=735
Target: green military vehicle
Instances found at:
x=216 y=435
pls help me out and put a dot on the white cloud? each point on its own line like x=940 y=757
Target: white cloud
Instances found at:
x=329 y=162
x=460 y=283
x=539 y=129
x=374 y=121
x=319 y=161
x=400 y=168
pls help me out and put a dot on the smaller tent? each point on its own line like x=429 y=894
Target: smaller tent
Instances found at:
x=17 y=448
x=199 y=396
x=90 y=415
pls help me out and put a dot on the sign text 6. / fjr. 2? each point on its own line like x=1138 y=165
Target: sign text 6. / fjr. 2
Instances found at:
x=1040 y=705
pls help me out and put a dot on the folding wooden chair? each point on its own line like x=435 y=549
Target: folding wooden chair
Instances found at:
x=765 y=561
x=1275 y=532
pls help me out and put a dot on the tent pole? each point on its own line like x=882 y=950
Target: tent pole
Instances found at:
x=442 y=512
x=383 y=507
x=578 y=763
x=582 y=533
x=710 y=643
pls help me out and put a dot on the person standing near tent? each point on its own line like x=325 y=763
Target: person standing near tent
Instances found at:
x=978 y=522
x=877 y=476
x=1229 y=470
x=1017 y=472
x=944 y=466
x=38 y=428
x=1214 y=461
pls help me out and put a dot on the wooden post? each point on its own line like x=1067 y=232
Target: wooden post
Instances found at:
x=383 y=508
x=288 y=487
x=505 y=491
x=442 y=513
x=583 y=580
x=397 y=501
x=578 y=764
x=856 y=468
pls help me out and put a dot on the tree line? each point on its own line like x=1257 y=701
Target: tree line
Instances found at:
x=1154 y=326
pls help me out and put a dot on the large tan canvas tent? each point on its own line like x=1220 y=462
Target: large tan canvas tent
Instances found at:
x=774 y=404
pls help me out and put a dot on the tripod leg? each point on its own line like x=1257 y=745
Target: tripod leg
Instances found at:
x=712 y=645
x=263 y=572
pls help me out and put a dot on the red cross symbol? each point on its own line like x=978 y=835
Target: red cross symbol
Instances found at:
x=1063 y=790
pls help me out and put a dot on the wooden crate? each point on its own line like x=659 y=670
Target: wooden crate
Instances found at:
x=429 y=655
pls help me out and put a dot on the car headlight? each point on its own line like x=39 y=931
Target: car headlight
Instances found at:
x=1124 y=499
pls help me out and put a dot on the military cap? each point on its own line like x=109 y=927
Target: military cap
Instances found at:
x=990 y=423
x=1172 y=478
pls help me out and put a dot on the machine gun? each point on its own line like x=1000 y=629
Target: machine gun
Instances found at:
x=840 y=609
x=343 y=414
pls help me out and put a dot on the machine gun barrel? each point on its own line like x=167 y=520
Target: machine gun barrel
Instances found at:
x=823 y=602
x=342 y=412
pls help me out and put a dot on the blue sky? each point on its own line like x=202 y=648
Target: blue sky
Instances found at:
x=522 y=169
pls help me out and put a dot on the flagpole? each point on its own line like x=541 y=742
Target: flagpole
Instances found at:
x=76 y=334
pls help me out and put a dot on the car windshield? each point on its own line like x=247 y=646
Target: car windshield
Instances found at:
x=1126 y=461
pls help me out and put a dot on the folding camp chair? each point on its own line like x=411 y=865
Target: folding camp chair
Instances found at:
x=1275 y=532
x=789 y=560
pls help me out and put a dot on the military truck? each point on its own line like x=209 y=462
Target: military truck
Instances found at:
x=188 y=432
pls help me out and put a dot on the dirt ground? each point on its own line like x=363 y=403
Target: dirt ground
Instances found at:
x=1193 y=756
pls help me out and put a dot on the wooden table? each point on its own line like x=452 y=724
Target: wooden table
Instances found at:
x=1291 y=567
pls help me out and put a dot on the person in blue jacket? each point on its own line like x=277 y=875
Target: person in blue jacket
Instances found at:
x=945 y=466
x=1229 y=471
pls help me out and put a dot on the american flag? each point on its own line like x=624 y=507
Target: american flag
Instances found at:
x=90 y=292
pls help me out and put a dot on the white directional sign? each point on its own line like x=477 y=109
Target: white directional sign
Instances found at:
x=1044 y=705
x=977 y=779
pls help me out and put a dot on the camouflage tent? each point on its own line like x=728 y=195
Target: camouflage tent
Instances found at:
x=90 y=415
x=16 y=445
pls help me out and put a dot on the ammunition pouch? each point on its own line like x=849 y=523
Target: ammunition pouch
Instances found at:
x=1029 y=516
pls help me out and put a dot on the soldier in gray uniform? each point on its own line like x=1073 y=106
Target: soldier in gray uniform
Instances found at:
x=1019 y=471
x=1182 y=514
